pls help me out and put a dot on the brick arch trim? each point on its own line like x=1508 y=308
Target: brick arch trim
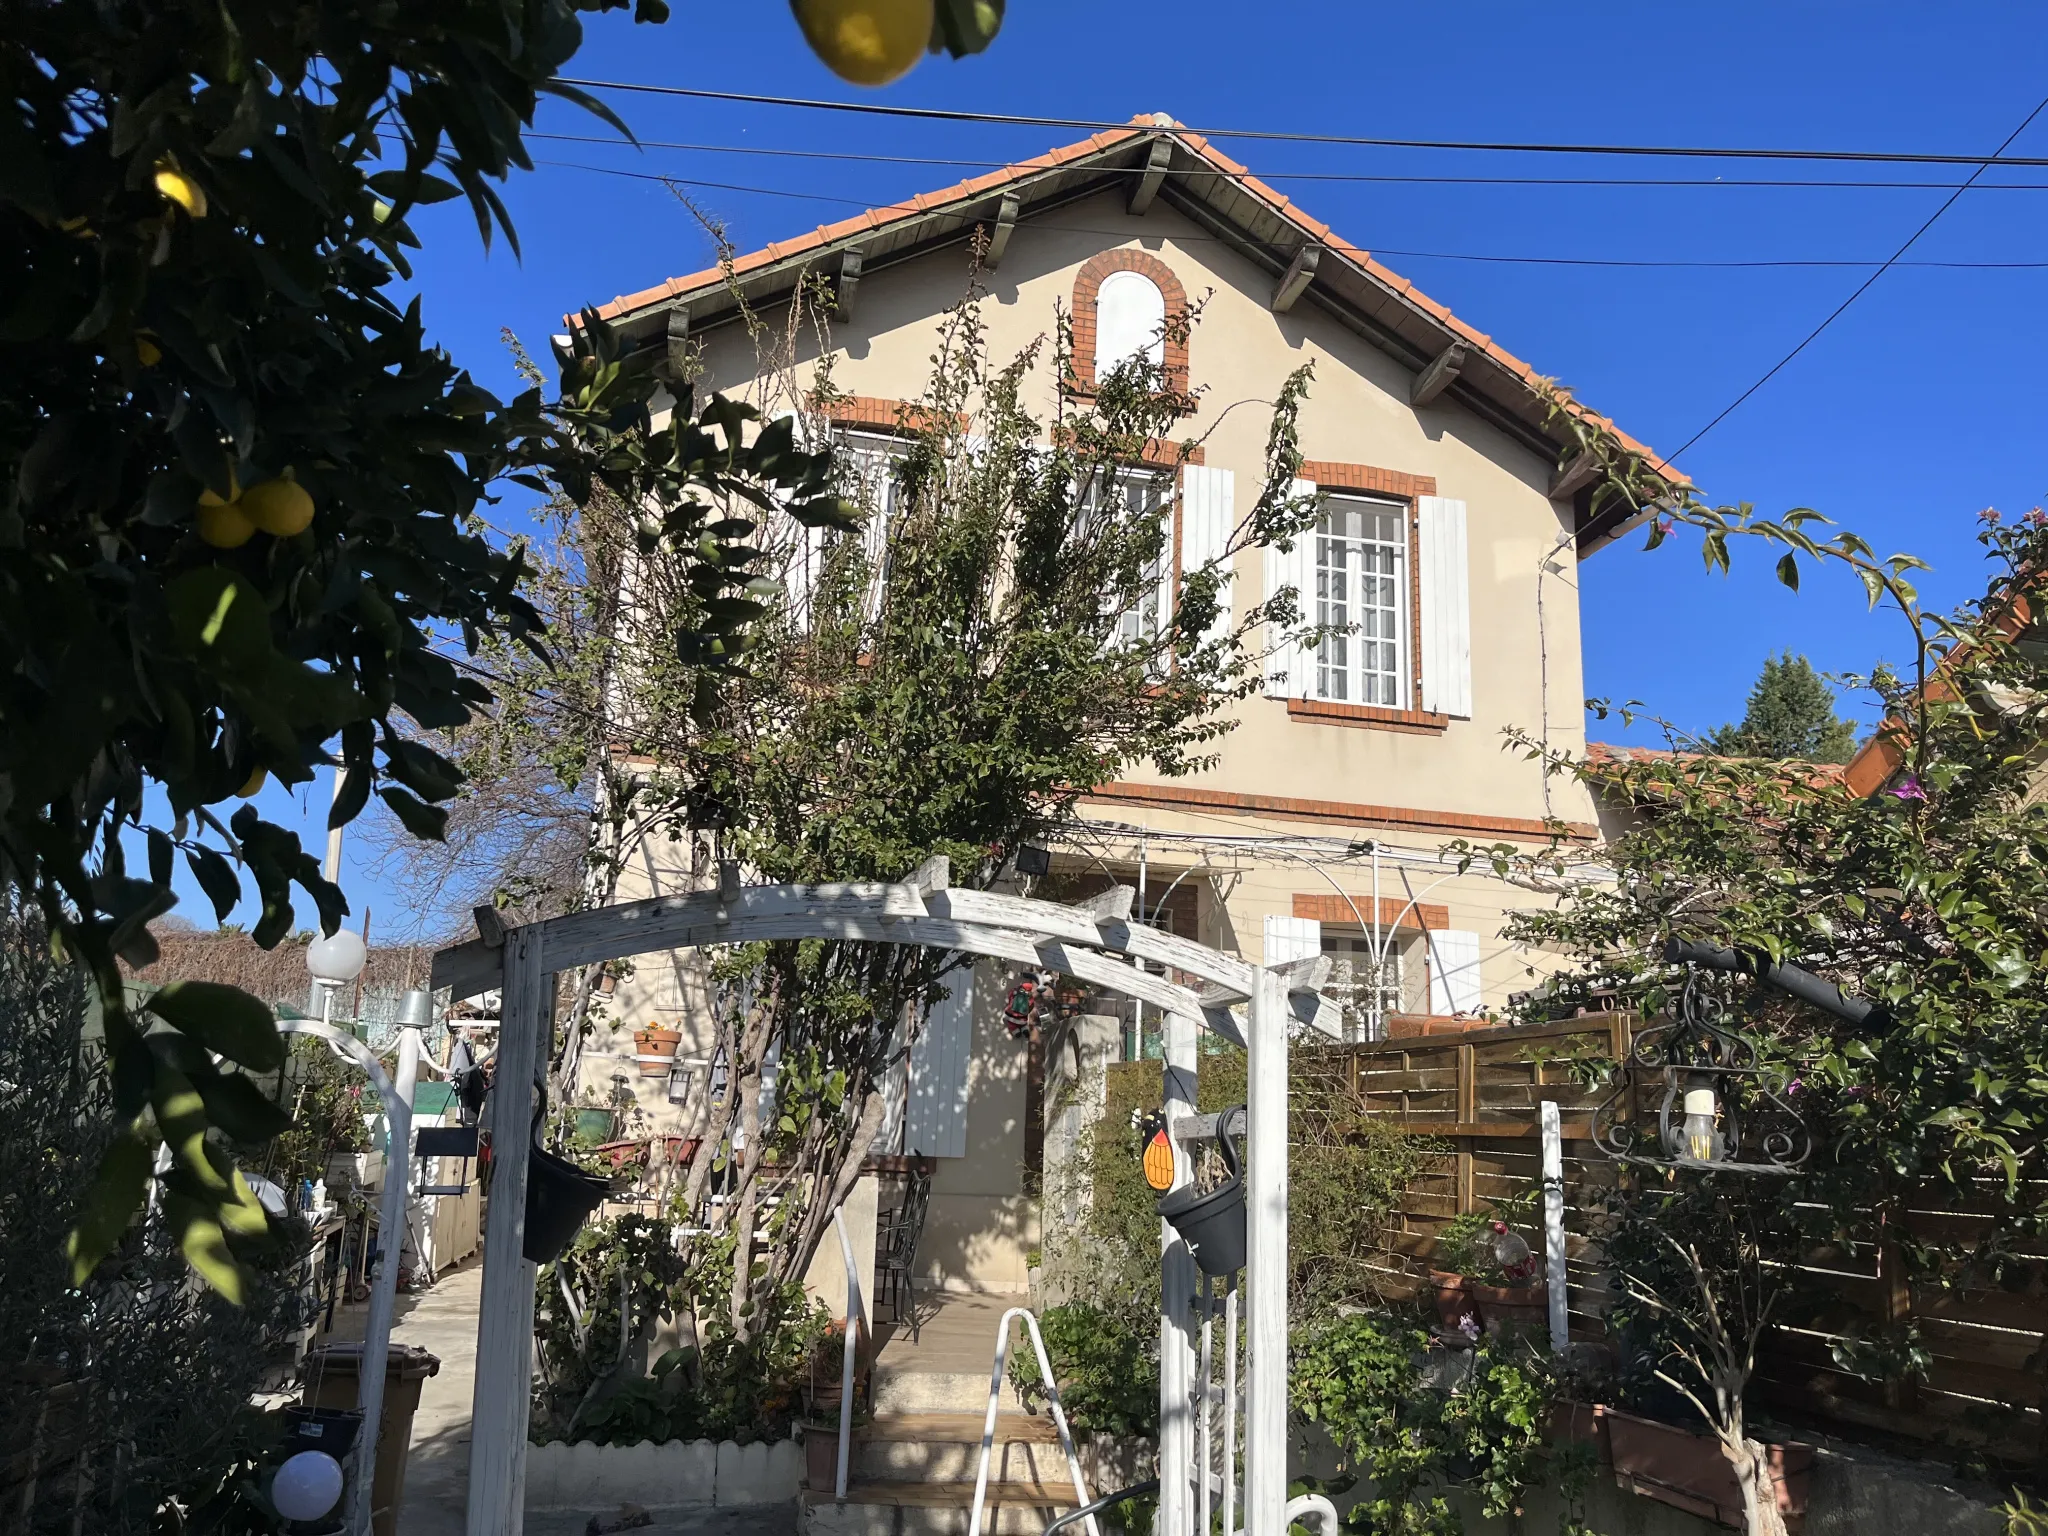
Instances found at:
x=1088 y=284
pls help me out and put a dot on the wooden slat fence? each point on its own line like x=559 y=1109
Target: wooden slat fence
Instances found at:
x=1480 y=1092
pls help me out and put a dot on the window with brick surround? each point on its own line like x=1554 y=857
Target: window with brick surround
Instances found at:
x=1106 y=299
x=1361 y=592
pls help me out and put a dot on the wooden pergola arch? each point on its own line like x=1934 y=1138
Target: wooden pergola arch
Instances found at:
x=1094 y=941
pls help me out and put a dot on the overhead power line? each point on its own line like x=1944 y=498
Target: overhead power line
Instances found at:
x=767 y=152
x=1377 y=250
x=945 y=115
x=1862 y=288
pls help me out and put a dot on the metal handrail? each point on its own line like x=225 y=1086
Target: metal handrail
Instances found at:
x=1088 y=1511
x=1059 y=1417
x=1311 y=1504
x=854 y=1314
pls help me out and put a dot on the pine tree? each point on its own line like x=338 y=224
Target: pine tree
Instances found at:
x=1791 y=714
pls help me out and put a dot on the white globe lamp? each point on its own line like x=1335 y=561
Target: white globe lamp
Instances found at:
x=308 y=1485
x=337 y=957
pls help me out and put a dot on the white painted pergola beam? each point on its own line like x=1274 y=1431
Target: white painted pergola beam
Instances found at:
x=980 y=922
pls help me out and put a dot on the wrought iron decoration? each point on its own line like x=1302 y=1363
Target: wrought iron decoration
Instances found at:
x=1715 y=1099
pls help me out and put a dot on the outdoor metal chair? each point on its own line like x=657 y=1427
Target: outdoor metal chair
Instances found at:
x=896 y=1239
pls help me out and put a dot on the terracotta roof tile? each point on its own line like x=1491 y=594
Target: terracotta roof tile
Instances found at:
x=1141 y=124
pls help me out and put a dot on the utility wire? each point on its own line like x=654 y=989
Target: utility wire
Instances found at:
x=937 y=114
x=1864 y=287
x=1213 y=172
x=1377 y=250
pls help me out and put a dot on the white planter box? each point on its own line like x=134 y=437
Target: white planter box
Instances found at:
x=676 y=1472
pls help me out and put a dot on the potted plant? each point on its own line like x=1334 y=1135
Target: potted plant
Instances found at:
x=656 y=1040
x=1485 y=1269
x=1456 y=1254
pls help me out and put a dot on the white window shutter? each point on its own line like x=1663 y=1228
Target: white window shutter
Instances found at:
x=1208 y=517
x=1446 y=607
x=1453 y=971
x=935 y=1114
x=1290 y=670
x=1292 y=938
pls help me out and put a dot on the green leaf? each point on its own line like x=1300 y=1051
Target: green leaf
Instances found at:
x=216 y=877
x=219 y=617
x=1788 y=571
x=204 y=1245
x=239 y=1107
x=961 y=27
x=428 y=822
x=224 y=1019
x=110 y=1204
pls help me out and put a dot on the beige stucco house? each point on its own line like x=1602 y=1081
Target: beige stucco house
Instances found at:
x=1451 y=539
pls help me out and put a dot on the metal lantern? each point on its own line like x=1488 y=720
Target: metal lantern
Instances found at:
x=1713 y=1100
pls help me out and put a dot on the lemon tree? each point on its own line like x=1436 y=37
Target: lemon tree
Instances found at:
x=241 y=532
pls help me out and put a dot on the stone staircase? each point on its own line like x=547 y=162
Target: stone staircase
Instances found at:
x=912 y=1474
x=911 y=1469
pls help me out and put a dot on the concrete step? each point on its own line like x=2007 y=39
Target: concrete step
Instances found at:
x=934 y=1509
x=898 y=1389
x=952 y=1461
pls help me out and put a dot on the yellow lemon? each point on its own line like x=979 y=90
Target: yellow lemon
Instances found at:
x=222 y=525
x=209 y=498
x=180 y=189
x=279 y=507
x=248 y=791
x=147 y=352
x=869 y=42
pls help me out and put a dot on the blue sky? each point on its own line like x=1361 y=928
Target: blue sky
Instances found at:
x=1918 y=407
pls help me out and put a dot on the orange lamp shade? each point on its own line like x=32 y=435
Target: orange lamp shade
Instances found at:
x=1159 y=1161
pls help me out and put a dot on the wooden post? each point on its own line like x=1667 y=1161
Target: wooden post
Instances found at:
x=1898 y=1299
x=1265 y=1439
x=1468 y=1112
x=504 y=1339
x=1177 y=1282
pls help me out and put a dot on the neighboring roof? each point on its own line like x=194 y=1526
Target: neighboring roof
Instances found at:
x=1156 y=156
x=1606 y=755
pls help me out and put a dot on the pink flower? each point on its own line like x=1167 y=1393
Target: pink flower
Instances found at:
x=1989 y=515
x=2036 y=518
x=1909 y=789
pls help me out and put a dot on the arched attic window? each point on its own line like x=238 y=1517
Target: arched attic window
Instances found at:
x=1130 y=321
x=1122 y=301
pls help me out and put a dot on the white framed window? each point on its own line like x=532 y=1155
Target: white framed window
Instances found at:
x=1359 y=555
x=1366 y=988
x=872 y=463
x=1129 y=495
x=1130 y=321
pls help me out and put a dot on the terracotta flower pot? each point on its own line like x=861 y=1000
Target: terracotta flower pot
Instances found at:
x=1508 y=1308
x=1453 y=1302
x=821 y=1456
x=656 y=1040
x=1687 y=1470
x=1574 y=1423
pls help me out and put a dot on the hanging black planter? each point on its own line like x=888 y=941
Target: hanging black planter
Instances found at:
x=559 y=1199
x=1212 y=1225
x=559 y=1196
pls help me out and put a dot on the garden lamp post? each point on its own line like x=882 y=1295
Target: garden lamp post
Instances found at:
x=397 y=1099
x=335 y=959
